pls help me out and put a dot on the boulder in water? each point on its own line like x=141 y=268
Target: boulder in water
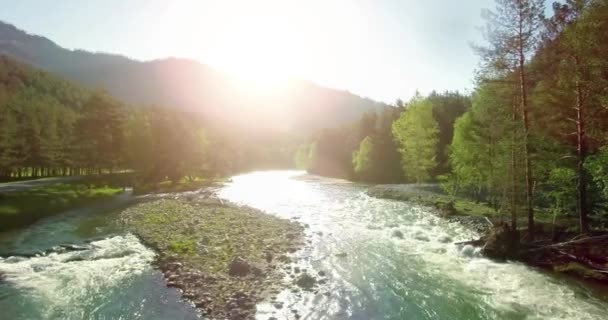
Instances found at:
x=306 y=281
x=468 y=250
x=444 y=239
x=397 y=234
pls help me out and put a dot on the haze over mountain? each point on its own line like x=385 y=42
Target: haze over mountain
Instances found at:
x=299 y=106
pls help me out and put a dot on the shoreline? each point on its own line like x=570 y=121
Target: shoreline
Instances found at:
x=586 y=262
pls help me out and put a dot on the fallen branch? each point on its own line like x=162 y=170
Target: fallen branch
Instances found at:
x=572 y=242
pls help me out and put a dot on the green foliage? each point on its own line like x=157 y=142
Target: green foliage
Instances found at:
x=447 y=107
x=331 y=152
x=597 y=166
x=566 y=74
x=561 y=186
x=417 y=133
x=362 y=158
x=49 y=127
x=303 y=157
x=480 y=150
x=183 y=246
x=340 y=152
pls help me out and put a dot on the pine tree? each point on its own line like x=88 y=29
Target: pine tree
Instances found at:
x=513 y=34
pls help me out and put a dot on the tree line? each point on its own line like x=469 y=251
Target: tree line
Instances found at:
x=50 y=127
x=532 y=137
x=406 y=143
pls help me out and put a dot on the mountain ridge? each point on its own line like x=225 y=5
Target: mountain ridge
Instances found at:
x=183 y=83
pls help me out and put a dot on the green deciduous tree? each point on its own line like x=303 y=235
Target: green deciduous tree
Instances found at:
x=481 y=148
x=363 y=159
x=417 y=134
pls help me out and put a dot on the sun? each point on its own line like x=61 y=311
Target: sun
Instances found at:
x=255 y=50
x=258 y=74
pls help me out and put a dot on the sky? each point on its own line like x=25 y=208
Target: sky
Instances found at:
x=374 y=48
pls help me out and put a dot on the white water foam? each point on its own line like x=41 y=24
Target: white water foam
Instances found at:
x=351 y=220
x=72 y=280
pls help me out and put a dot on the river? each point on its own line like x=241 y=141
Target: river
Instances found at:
x=372 y=275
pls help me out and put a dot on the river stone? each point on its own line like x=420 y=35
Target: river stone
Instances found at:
x=444 y=239
x=239 y=267
x=306 y=281
x=397 y=234
x=422 y=237
x=268 y=256
x=468 y=250
x=172 y=266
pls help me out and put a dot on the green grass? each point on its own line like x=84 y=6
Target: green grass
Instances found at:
x=468 y=207
x=20 y=208
x=169 y=186
x=209 y=236
x=183 y=246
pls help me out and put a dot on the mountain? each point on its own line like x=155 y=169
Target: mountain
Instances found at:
x=301 y=106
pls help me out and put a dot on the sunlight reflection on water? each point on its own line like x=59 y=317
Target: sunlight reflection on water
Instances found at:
x=423 y=276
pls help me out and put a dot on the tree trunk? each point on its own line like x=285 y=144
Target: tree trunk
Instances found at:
x=581 y=151
x=528 y=165
x=513 y=172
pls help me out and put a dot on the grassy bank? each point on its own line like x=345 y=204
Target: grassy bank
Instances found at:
x=224 y=257
x=171 y=186
x=451 y=206
x=19 y=208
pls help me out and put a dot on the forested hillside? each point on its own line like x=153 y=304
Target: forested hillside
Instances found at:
x=533 y=136
x=50 y=127
x=300 y=107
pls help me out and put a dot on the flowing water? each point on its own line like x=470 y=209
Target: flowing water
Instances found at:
x=371 y=274
x=110 y=276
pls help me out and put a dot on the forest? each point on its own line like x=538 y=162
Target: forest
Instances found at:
x=532 y=137
x=52 y=127
x=169 y=189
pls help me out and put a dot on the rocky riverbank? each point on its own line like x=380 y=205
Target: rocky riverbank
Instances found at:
x=225 y=258
x=565 y=252
x=474 y=216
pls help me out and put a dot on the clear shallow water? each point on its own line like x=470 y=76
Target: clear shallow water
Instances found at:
x=423 y=276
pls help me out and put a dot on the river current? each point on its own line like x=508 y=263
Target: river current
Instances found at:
x=371 y=273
